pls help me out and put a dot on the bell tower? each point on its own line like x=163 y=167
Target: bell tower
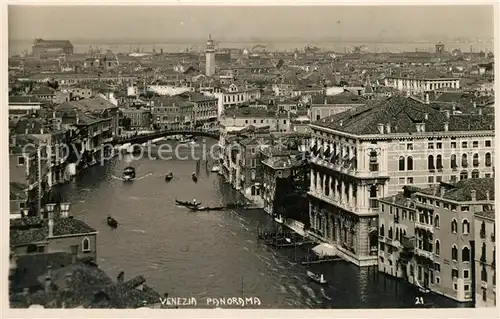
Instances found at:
x=210 y=57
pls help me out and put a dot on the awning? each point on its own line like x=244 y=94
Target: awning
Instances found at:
x=325 y=250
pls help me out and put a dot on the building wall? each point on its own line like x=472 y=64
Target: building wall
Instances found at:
x=63 y=244
x=485 y=279
x=319 y=111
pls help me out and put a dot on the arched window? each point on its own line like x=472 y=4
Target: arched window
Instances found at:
x=436 y=221
x=454 y=226
x=430 y=162
x=465 y=254
x=475 y=160
x=390 y=233
x=382 y=230
x=438 y=247
x=454 y=253
x=453 y=161
x=464 y=175
x=397 y=233
x=465 y=226
x=487 y=159
x=409 y=163
x=401 y=163
x=314 y=177
x=439 y=162
x=464 y=160
x=86 y=244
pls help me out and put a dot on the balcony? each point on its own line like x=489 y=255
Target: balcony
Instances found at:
x=424 y=253
x=427 y=227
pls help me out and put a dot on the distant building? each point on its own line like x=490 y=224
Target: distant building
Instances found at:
x=416 y=85
x=45 y=48
x=210 y=57
x=324 y=106
x=440 y=48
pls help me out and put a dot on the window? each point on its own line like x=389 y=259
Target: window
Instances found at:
x=409 y=180
x=409 y=146
x=475 y=160
x=430 y=179
x=41 y=249
x=463 y=175
x=453 y=161
x=438 y=280
x=436 y=221
x=430 y=146
x=437 y=267
x=439 y=145
x=466 y=287
x=465 y=227
x=382 y=230
x=454 y=273
x=438 y=247
x=466 y=254
x=389 y=233
x=246 y=121
x=487 y=159
x=439 y=179
x=475 y=144
x=382 y=247
x=466 y=274
x=484 y=295
x=464 y=160
x=20 y=160
x=430 y=162
x=401 y=180
x=487 y=143
x=453 y=178
x=86 y=244
x=252 y=150
x=484 y=274
x=454 y=226
x=464 y=144
x=439 y=162
x=401 y=163
x=453 y=144
x=475 y=174
x=409 y=163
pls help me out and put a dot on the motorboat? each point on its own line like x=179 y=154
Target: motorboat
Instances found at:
x=215 y=169
x=187 y=204
x=128 y=174
x=169 y=177
x=318 y=279
x=112 y=222
x=194 y=177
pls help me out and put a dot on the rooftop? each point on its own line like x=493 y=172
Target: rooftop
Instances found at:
x=461 y=191
x=488 y=214
x=403 y=113
x=345 y=97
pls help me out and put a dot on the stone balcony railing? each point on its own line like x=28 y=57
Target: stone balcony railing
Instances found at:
x=341 y=204
x=424 y=253
x=425 y=226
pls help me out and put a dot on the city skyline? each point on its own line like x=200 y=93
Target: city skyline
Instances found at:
x=238 y=23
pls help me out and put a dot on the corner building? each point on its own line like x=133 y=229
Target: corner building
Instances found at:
x=373 y=151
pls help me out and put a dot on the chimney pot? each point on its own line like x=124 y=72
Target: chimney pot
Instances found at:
x=388 y=127
x=341 y=122
x=473 y=195
x=447 y=113
x=487 y=195
x=426 y=116
x=445 y=126
x=380 y=128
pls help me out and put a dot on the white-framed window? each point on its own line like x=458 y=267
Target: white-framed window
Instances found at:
x=86 y=244
x=20 y=160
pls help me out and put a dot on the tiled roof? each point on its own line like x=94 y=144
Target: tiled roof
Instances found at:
x=397 y=199
x=96 y=103
x=248 y=112
x=402 y=113
x=341 y=98
x=462 y=190
x=36 y=230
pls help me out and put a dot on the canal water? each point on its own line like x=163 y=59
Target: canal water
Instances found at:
x=212 y=254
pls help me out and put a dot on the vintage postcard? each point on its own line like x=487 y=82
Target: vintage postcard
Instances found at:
x=251 y=157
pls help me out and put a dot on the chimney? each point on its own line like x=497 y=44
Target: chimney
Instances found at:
x=388 y=127
x=341 y=122
x=447 y=113
x=13 y=140
x=422 y=126
x=48 y=279
x=426 y=116
x=445 y=126
x=393 y=199
x=51 y=224
x=26 y=131
x=380 y=128
x=427 y=98
x=41 y=130
x=54 y=114
x=74 y=254
x=480 y=111
x=77 y=118
x=473 y=195
x=487 y=195
x=325 y=100
x=474 y=104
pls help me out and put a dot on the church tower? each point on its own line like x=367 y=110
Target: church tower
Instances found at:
x=210 y=57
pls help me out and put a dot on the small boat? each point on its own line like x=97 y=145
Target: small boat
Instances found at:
x=169 y=177
x=194 y=177
x=215 y=169
x=319 y=279
x=205 y=208
x=421 y=288
x=112 y=222
x=128 y=174
x=186 y=141
x=187 y=204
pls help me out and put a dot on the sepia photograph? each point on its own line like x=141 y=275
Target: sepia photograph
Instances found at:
x=251 y=157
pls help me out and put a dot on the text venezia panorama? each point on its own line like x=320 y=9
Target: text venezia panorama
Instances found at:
x=216 y=302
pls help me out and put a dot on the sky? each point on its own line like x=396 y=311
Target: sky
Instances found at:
x=224 y=23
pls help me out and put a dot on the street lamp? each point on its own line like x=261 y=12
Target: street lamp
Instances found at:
x=65 y=209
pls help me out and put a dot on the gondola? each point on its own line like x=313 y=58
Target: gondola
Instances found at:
x=187 y=204
x=194 y=177
x=112 y=222
x=169 y=177
x=318 y=279
x=236 y=205
x=128 y=174
x=205 y=208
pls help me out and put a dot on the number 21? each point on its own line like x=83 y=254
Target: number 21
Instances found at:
x=419 y=300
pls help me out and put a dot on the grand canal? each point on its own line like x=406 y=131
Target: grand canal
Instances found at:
x=214 y=254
